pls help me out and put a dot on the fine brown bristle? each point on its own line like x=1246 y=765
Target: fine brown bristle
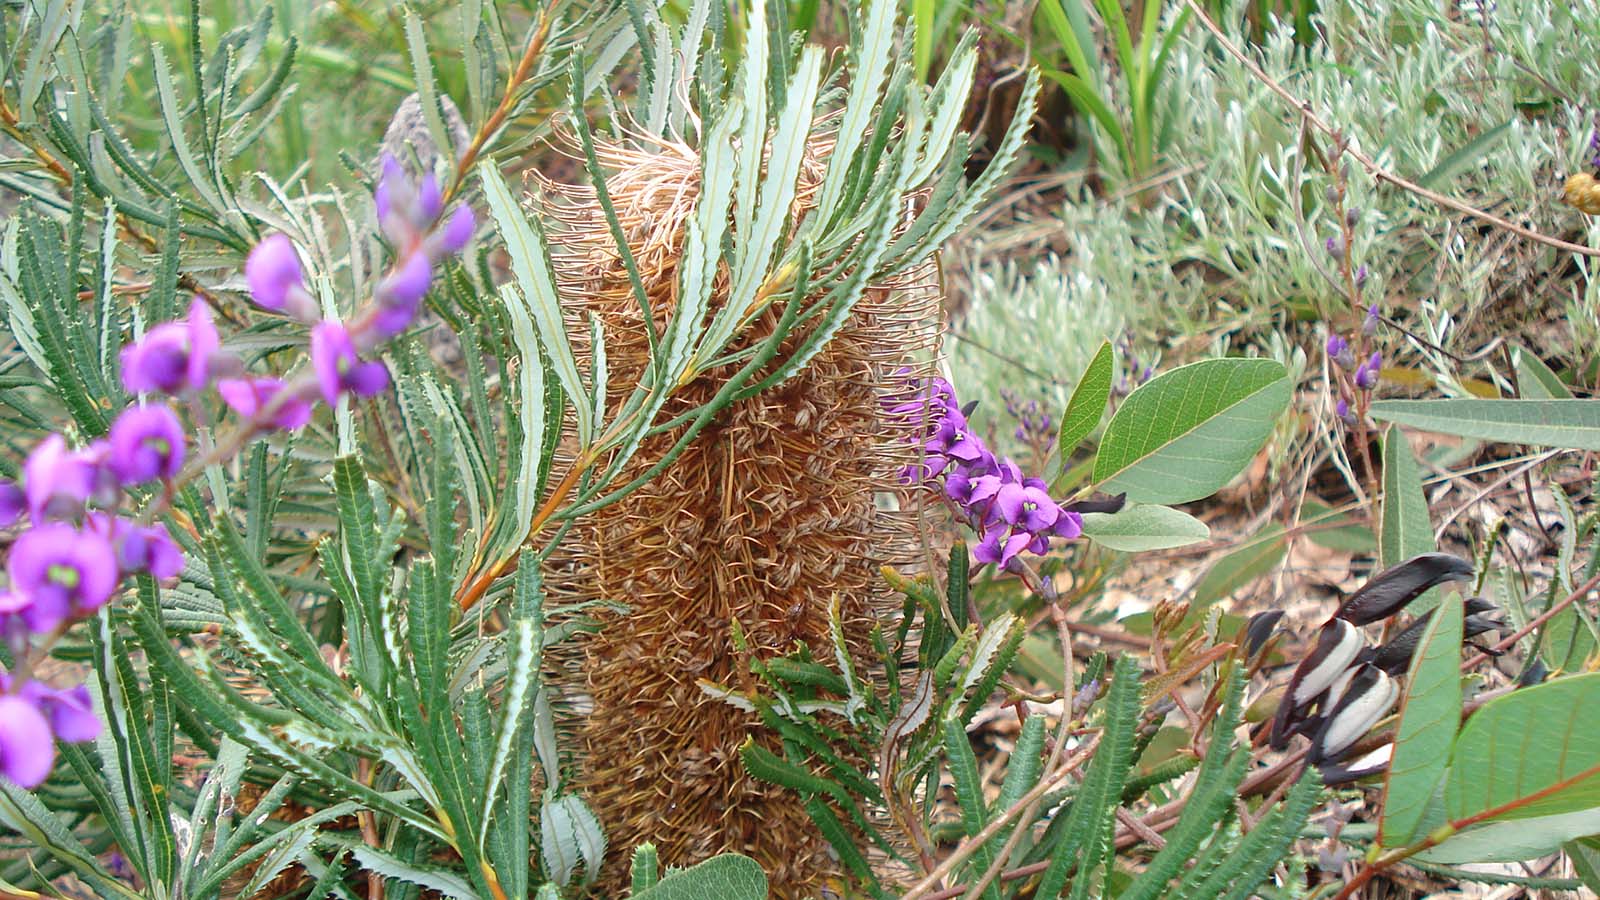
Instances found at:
x=766 y=517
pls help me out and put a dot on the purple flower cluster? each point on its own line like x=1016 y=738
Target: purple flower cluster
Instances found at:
x=1012 y=513
x=1034 y=426
x=1363 y=374
x=76 y=546
x=69 y=559
x=409 y=214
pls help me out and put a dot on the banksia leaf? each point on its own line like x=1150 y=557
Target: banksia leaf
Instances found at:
x=1094 y=806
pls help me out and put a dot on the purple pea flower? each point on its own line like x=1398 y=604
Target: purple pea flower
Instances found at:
x=276 y=281
x=430 y=200
x=248 y=396
x=1027 y=507
x=70 y=711
x=12 y=502
x=173 y=356
x=140 y=548
x=339 y=369
x=454 y=236
x=147 y=442
x=60 y=571
x=55 y=481
x=400 y=294
x=953 y=439
x=1369 y=322
x=1367 y=375
x=27 y=750
x=1000 y=545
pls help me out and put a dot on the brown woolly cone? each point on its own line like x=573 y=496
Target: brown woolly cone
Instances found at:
x=775 y=509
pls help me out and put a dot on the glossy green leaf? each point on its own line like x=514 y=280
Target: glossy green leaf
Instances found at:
x=1188 y=432
x=1404 y=530
x=1088 y=403
x=1565 y=424
x=1143 y=527
x=1429 y=714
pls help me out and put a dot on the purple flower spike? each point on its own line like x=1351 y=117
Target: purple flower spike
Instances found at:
x=1336 y=345
x=248 y=396
x=339 y=369
x=27 y=751
x=56 y=482
x=12 y=502
x=147 y=442
x=61 y=571
x=70 y=711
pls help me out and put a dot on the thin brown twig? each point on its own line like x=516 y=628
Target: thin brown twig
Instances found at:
x=1368 y=163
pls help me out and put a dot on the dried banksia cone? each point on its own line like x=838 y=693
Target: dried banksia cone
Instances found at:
x=768 y=517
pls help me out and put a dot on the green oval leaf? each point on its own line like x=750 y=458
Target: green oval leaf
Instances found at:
x=1531 y=753
x=1567 y=424
x=730 y=875
x=1144 y=527
x=1429 y=715
x=1088 y=403
x=1189 y=431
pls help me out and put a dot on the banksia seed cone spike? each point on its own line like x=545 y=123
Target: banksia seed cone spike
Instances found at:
x=765 y=519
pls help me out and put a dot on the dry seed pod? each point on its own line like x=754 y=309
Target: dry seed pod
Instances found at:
x=764 y=520
x=1364 y=766
x=1392 y=589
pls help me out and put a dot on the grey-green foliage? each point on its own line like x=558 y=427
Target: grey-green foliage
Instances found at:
x=913 y=725
x=1032 y=330
x=1219 y=250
